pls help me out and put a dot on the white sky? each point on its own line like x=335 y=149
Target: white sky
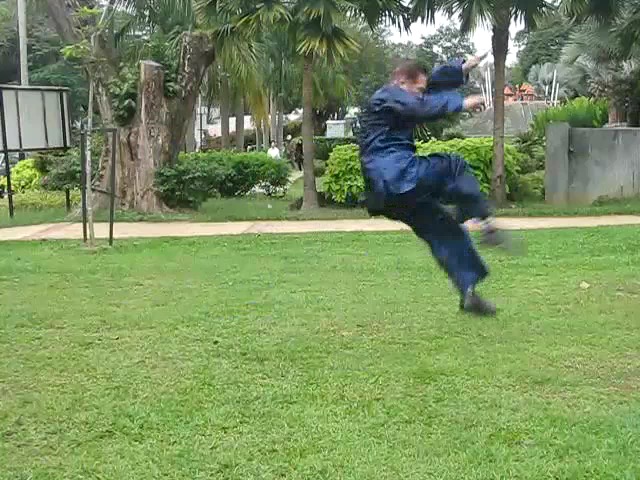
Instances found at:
x=481 y=37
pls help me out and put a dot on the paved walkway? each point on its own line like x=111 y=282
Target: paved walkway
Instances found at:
x=60 y=231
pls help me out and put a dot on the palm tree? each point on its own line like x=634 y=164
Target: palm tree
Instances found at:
x=605 y=49
x=317 y=30
x=498 y=14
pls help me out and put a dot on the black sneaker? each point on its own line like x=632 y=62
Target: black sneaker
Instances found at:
x=476 y=305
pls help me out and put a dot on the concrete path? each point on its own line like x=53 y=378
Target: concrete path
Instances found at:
x=62 y=231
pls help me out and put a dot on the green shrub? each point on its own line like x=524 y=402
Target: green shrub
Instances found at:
x=529 y=186
x=478 y=152
x=344 y=183
x=324 y=146
x=25 y=177
x=343 y=179
x=42 y=200
x=199 y=176
x=532 y=152
x=579 y=113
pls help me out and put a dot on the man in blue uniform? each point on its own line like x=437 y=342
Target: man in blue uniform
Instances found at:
x=412 y=189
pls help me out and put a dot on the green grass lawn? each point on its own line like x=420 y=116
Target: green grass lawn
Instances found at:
x=263 y=208
x=335 y=356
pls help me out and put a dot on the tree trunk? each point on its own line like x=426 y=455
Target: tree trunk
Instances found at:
x=190 y=139
x=225 y=110
x=155 y=136
x=274 y=118
x=267 y=133
x=633 y=116
x=239 y=111
x=310 y=197
x=157 y=132
x=259 y=141
x=280 y=125
x=500 y=41
x=616 y=113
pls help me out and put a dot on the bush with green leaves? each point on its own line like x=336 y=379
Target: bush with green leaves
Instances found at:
x=529 y=186
x=199 y=176
x=42 y=200
x=532 y=152
x=325 y=145
x=579 y=113
x=478 y=152
x=344 y=182
x=25 y=177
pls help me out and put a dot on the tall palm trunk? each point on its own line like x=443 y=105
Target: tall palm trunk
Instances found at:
x=310 y=197
x=500 y=41
x=225 y=110
x=267 y=133
x=274 y=118
x=280 y=125
x=239 y=111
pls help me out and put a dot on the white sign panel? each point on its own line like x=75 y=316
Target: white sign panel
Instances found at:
x=34 y=118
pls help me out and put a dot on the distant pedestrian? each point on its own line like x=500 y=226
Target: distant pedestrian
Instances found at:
x=274 y=151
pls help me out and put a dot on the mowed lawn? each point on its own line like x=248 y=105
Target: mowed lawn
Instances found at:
x=336 y=356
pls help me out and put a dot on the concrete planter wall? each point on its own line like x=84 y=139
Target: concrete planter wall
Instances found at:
x=584 y=164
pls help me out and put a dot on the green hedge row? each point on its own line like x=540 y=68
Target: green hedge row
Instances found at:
x=199 y=176
x=344 y=182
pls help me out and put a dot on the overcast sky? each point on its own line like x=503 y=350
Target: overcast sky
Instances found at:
x=481 y=37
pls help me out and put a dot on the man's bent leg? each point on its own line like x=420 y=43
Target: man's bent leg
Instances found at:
x=455 y=183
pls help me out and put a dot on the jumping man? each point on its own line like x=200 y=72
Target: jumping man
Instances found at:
x=412 y=189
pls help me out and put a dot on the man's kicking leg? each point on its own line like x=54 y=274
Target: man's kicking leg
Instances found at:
x=451 y=179
x=452 y=248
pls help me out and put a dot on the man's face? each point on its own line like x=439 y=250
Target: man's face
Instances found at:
x=417 y=86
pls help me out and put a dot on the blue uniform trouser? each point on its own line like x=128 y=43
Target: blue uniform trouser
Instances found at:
x=445 y=179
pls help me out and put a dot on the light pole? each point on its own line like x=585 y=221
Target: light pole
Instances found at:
x=22 y=41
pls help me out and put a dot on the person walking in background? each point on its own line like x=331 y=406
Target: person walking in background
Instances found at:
x=274 y=151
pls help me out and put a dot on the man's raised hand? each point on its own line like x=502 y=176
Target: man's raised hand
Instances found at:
x=473 y=62
x=473 y=101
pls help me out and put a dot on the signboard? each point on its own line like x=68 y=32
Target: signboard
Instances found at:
x=339 y=128
x=34 y=118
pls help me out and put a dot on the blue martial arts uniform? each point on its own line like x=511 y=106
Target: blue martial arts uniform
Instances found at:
x=411 y=188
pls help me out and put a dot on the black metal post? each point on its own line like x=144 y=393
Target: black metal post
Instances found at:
x=67 y=199
x=7 y=167
x=83 y=181
x=112 y=194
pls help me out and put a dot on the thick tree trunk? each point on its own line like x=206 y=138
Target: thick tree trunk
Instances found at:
x=145 y=145
x=225 y=110
x=239 y=111
x=190 y=140
x=310 y=196
x=156 y=134
x=500 y=42
x=280 y=125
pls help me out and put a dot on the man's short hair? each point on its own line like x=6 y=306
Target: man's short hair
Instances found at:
x=409 y=70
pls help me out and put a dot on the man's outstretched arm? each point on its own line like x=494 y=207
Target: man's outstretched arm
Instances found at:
x=432 y=106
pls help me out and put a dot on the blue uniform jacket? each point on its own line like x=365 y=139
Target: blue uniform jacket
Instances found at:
x=387 y=148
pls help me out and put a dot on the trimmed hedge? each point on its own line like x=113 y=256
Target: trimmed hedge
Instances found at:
x=199 y=176
x=344 y=182
x=41 y=200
